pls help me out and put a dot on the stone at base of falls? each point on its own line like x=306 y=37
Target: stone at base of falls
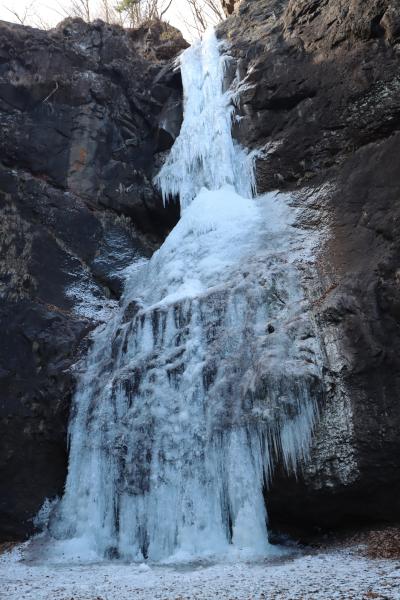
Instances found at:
x=334 y=140
x=86 y=113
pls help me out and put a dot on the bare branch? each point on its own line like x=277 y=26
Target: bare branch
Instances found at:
x=204 y=13
x=216 y=8
x=40 y=23
x=21 y=16
x=166 y=9
x=81 y=8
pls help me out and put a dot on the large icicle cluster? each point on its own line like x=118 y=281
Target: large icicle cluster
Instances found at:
x=205 y=155
x=207 y=373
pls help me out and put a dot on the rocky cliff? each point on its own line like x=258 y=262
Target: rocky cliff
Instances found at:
x=86 y=114
x=320 y=101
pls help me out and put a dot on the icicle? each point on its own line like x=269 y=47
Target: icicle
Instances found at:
x=205 y=155
x=188 y=394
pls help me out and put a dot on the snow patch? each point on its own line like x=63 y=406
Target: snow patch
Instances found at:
x=322 y=576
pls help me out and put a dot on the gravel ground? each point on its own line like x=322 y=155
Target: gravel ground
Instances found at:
x=340 y=574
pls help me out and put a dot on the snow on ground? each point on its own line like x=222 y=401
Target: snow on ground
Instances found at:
x=329 y=575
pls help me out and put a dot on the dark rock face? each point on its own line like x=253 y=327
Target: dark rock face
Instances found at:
x=229 y=6
x=86 y=114
x=82 y=108
x=323 y=103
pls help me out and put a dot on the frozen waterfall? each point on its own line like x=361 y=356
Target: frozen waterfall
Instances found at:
x=205 y=155
x=206 y=374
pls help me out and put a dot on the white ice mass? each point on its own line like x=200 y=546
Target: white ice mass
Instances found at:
x=208 y=371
